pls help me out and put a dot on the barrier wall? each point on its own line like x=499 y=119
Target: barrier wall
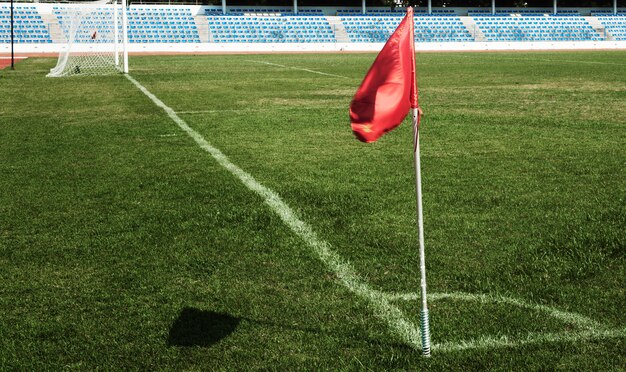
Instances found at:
x=33 y=49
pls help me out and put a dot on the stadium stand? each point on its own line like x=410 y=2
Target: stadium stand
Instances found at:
x=427 y=29
x=615 y=26
x=149 y=26
x=522 y=12
x=162 y=26
x=28 y=27
x=270 y=29
x=258 y=24
x=398 y=12
x=264 y=12
x=605 y=13
x=543 y=28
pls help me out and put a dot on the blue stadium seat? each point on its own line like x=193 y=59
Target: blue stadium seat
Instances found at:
x=376 y=29
x=278 y=29
x=615 y=26
x=533 y=27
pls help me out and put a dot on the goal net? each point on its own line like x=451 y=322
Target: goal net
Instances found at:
x=95 y=38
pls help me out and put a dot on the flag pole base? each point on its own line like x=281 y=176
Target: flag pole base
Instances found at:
x=425 y=330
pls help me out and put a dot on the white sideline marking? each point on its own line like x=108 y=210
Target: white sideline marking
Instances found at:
x=582 y=62
x=565 y=316
x=297 y=68
x=573 y=61
x=243 y=111
x=489 y=342
x=560 y=60
x=591 y=330
x=383 y=308
x=381 y=302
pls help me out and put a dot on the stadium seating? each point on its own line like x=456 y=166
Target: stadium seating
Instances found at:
x=150 y=26
x=427 y=29
x=160 y=24
x=284 y=29
x=529 y=28
x=398 y=12
x=606 y=13
x=521 y=12
x=28 y=27
x=265 y=12
x=615 y=26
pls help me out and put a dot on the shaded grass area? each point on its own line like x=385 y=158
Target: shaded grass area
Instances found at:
x=123 y=245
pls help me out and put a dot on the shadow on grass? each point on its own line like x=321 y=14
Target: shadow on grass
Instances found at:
x=195 y=327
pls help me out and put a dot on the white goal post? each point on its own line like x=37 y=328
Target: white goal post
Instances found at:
x=95 y=35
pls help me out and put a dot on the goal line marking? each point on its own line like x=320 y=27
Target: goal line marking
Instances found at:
x=497 y=58
x=382 y=307
x=565 y=316
x=249 y=110
x=589 y=329
x=297 y=68
x=565 y=61
x=491 y=342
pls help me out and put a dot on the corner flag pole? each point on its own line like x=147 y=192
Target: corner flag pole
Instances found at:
x=380 y=105
x=424 y=325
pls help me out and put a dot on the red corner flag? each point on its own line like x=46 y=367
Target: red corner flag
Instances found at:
x=388 y=90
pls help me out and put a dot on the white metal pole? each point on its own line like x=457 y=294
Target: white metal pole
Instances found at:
x=125 y=35
x=493 y=7
x=224 y=7
x=12 y=38
x=363 y=8
x=555 y=6
x=430 y=6
x=424 y=324
x=295 y=7
x=615 y=7
x=116 y=35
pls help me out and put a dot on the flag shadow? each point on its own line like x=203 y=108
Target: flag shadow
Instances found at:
x=203 y=328
x=195 y=327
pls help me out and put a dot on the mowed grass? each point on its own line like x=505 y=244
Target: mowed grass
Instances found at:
x=124 y=245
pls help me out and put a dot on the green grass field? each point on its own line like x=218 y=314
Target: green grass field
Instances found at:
x=125 y=245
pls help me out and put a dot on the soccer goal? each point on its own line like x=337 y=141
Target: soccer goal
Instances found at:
x=95 y=35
